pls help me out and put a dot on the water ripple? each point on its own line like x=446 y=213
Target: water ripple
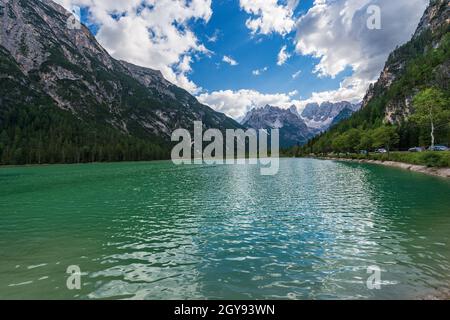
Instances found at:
x=156 y=231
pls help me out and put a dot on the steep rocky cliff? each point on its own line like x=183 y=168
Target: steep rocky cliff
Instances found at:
x=66 y=67
x=430 y=33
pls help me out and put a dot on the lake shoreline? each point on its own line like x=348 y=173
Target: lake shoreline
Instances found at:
x=43 y=165
x=433 y=171
x=437 y=172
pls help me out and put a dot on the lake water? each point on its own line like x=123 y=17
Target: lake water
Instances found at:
x=159 y=231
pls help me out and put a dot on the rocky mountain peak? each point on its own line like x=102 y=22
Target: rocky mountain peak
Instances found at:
x=293 y=109
x=34 y=30
x=436 y=15
x=321 y=116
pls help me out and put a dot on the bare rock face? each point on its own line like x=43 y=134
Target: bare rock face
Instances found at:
x=293 y=130
x=30 y=28
x=322 y=116
x=386 y=79
x=435 y=16
x=73 y=69
x=151 y=79
x=434 y=21
x=397 y=111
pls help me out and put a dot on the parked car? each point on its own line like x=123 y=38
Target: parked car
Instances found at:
x=439 y=148
x=382 y=150
x=416 y=149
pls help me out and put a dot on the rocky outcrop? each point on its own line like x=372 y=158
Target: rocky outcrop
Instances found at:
x=435 y=16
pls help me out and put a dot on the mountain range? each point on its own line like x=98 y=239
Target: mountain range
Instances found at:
x=295 y=128
x=323 y=116
x=63 y=98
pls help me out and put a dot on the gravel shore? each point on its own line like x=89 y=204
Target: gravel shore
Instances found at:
x=439 y=172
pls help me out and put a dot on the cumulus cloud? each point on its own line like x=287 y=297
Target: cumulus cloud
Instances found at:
x=270 y=16
x=336 y=33
x=150 y=33
x=259 y=72
x=230 y=61
x=158 y=34
x=283 y=56
x=236 y=104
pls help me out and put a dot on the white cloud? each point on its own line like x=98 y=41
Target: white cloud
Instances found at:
x=346 y=92
x=157 y=34
x=283 y=56
x=336 y=33
x=150 y=33
x=237 y=103
x=259 y=72
x=297 y=74
x=230 y=61
x=270 y=16
x=214 y=37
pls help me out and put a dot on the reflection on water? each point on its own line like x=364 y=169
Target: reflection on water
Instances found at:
x=157 y=231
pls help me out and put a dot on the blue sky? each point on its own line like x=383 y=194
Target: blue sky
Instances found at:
x=253 y=52
x=227 y=52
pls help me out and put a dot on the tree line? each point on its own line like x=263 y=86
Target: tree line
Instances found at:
x=44 y=135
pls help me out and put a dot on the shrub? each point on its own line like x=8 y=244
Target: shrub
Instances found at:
x=432 y=159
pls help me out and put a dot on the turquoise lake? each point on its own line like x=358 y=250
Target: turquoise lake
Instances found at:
x=159 y=231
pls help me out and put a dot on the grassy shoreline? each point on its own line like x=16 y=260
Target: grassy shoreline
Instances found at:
x=431 y=163
x=428 y=159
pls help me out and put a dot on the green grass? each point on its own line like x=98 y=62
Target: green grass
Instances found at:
x=429 y=159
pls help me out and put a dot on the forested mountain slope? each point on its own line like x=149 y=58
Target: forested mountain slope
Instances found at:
x=63 y=98
x=417 y=69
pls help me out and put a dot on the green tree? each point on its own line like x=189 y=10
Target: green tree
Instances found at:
x=366 y=141
x=353 y=139
x=385 y=136
x=339 y=143
x=431 y=109
x=321 y=147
